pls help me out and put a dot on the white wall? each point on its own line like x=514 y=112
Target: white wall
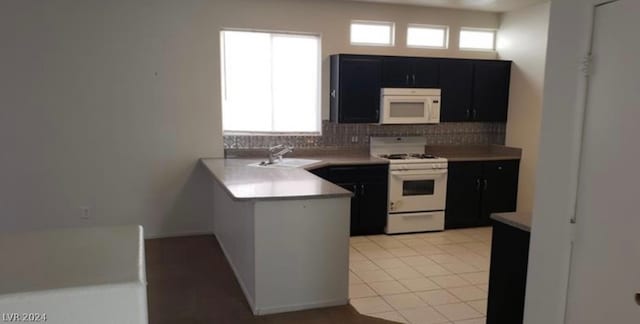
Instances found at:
x=522 y=38
x=557 y=166
x=108 y=104
x=331 y=18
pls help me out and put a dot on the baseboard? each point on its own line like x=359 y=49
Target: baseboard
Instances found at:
x=236 y=273
x=299 y=307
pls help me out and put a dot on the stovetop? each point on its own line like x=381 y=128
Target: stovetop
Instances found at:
x=403 y=150
x=415 y=159
x=408 y=156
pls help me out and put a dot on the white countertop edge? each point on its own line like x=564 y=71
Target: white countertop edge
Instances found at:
x=321 y=164
x=288 y=197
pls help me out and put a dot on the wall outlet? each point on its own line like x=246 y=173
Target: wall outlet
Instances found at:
x=85 y=213
x=354 y=139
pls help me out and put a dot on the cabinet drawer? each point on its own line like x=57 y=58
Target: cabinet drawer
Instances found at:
x=359 y=173
x=403 y=223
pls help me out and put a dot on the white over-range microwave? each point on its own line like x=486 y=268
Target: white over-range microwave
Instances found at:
x=409 y=106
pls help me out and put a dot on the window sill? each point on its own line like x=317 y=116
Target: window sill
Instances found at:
x=232 y=133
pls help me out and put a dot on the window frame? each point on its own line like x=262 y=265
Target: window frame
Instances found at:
x=492 y=30
x=318 y=84
x=392 y=36
x=443 y=27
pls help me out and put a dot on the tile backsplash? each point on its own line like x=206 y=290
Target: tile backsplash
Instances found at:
x=356 y=136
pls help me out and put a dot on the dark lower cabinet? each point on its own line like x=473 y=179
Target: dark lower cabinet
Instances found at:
x=508 y=274
x=463 y=194
x=477 y=189
x=369 y=186
x=500 y=188
x=373 y=209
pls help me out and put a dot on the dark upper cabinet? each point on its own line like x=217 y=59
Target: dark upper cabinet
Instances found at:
x=396 y=72
x=474 y=90
x=456 y=84
x=477 y=189
x=355 y=88
x=369 y=184
x=491 y=90
x=404 y=72
x=426 y=73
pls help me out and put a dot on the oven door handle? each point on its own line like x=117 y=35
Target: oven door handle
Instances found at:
x=401 y=173
x=418 y=215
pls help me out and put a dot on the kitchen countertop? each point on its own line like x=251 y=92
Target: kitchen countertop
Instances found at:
x=244 y=182
x=461 y=153
x=518 y=220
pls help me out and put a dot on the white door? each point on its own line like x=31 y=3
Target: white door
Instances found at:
x=605 y=266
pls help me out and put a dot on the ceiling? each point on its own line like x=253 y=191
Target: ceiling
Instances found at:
x=484 y=5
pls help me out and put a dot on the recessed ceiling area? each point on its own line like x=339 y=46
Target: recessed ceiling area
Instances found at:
x=483 y=5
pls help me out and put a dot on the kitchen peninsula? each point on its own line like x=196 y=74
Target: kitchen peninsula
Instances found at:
x=284 y=231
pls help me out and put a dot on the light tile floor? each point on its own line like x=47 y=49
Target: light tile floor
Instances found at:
x=426 y=278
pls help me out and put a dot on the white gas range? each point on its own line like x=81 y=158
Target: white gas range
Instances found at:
x=417 y=184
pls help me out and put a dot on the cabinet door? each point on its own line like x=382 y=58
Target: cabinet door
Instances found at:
x=491 y=90
x=396 y=72
x=463 y=194
x=355 y=207
x=369 y=205
x=500 y=188
x=373 y=207
x=426 y=73
x=359 y=97
x=456 y=77
x=321 y=172
x=508 y=274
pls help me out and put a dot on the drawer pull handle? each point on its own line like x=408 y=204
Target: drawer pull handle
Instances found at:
x=638 y=299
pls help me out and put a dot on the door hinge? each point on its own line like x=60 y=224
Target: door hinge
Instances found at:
x=586 y=65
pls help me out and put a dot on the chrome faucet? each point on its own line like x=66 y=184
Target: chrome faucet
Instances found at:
x=277 y=152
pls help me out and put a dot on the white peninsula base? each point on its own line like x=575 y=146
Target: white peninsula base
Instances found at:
x=288 y=254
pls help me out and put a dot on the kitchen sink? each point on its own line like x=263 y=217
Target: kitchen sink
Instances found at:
x=285 y=163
